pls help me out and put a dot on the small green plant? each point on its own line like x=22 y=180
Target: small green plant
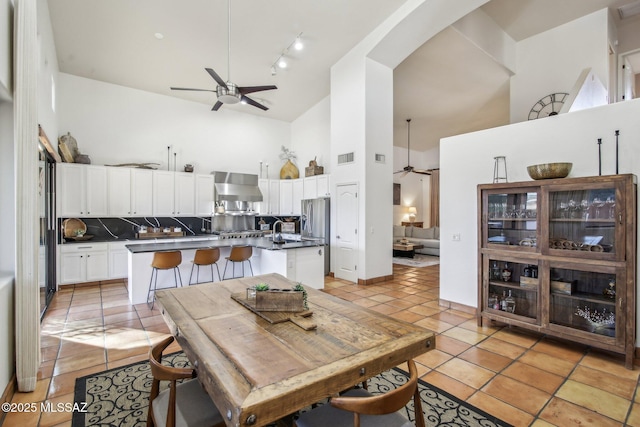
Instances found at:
x=299 y=287
x=262 y=287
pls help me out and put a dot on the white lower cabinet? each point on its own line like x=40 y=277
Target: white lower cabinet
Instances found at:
x=118 y=260
x=83 y=263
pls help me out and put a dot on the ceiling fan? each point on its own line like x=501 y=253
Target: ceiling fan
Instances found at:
x=405 y=170
x=228 y=92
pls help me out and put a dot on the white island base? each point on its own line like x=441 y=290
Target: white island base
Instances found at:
x=304 y=264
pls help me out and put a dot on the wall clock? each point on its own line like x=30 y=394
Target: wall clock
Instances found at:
x=549 y=105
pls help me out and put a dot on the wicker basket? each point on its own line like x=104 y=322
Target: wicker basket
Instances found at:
x=74 y=227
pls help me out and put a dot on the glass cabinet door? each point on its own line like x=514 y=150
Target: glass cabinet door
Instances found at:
x=511 y=219
x=582 y=223
x=584 y=300
x=512 y=289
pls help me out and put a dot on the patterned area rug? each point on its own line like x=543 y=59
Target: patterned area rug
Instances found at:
x=120 y=397
x=418 y=260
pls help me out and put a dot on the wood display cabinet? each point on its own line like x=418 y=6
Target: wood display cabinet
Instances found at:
x=558 y=257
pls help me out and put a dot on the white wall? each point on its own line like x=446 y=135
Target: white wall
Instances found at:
x=6 y=41
x=310 y=136
x=47 y=74
x=552 y=61
x=467 y=160
x=114 y=124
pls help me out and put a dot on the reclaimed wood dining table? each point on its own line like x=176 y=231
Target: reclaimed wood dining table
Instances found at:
x=258 y=372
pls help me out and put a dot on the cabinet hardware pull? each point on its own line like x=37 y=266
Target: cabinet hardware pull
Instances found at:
x=620 y=218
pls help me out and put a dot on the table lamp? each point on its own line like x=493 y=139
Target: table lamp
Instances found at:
x=412 y=213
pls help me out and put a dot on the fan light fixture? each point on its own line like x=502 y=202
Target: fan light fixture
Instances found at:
x=281 y=61
x=629 y=9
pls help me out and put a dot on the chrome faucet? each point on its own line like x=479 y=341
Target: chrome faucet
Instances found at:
x=277 y=238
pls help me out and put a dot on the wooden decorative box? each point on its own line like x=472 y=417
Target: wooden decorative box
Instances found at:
x=279 y=300
x=313 y=170
x=562 y=287
x=529 y=282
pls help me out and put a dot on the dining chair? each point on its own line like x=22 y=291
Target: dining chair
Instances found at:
x=182 y=404
x=378 y=410
x=167 y=260
x=208 y=256
x=238 y=254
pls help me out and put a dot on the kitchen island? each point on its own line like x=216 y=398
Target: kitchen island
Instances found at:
x=300 y=261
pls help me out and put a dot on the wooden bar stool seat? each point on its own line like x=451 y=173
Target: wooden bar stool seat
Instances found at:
x=239 y=254
x=208 y=256
x=169 y=260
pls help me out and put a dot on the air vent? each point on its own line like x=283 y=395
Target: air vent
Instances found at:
x=345 y=158
x=380 y=158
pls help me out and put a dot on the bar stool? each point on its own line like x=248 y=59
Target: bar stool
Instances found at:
x=208 y=256
x=164 y=261
x=238 y=254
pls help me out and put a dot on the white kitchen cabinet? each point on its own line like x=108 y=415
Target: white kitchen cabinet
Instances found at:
x=173 y=193
x=204 y=195
x=141 y=192
x=185 y=193
x=163 y=189
x=118 y=260
x=83 y=263
x=317 y=186
x=81 y=190
x=309 y=266
x=273 y=197
x=291 y=193
x=119 y=185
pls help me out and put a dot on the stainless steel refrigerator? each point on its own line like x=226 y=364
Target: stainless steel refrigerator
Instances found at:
x=314 y=224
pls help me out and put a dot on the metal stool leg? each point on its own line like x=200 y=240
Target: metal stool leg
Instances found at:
x=190 y=275
x=219 y=278
x=224 y=275
x=251 y=268
x=176 y=269
x=150 y=304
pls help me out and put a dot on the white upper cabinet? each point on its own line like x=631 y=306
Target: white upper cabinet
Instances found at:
x=317 y=186
x=173 y=193
x=141 y=192
x=185 y=193
x=291 y=193
x=204 y=194
x=163 y=189
x=81 y=190
x=119 y=184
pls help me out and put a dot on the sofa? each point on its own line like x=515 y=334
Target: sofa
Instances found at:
x=428 y=237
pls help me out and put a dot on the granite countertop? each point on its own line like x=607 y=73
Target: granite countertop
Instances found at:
x=256 y=242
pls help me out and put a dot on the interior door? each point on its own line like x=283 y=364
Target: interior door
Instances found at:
x=346 y=254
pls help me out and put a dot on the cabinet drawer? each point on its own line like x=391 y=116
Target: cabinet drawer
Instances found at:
x=82 y=247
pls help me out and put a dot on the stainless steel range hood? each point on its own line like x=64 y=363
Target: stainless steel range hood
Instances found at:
x=237 y=187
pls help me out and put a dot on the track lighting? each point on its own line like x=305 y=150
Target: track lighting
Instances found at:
x=281 y=61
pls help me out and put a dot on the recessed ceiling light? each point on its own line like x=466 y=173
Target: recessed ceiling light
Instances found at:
x=159 y=36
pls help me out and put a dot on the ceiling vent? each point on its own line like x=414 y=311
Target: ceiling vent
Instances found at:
x=630 y=9
x=345 y=158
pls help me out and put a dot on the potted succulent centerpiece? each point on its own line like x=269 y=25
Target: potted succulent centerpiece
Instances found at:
x=267 y=299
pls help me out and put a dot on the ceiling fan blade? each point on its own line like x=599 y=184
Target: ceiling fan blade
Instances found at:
x=216 y=106
x=250 y=89
x=422 y=171
x=188 y=88
x=254 y=103
x=217 y=78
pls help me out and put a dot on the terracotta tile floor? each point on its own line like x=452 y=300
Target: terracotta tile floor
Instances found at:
x=523 y=378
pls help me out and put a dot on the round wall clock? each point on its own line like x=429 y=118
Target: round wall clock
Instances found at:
x=549 y=105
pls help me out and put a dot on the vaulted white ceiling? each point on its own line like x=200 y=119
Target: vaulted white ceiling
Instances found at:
x=447 y=86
